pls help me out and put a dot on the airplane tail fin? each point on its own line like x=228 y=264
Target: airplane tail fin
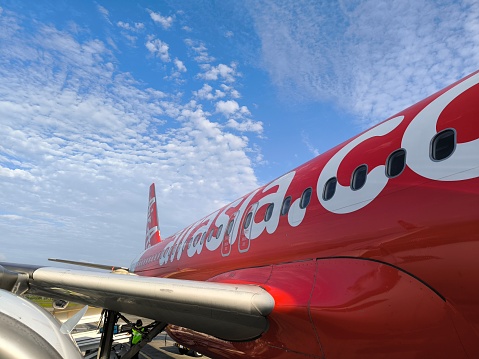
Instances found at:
x=152 y=228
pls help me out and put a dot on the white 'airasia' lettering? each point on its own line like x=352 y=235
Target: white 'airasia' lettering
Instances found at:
x=276 y=198
x=345 y=200
x=221 y=220
x=460 y=165
x=199 y=236
x=241 y=211
x=296 y=213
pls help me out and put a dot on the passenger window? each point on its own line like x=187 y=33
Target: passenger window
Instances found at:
x=443 y=145
x=286 y=205
x=330 y=188
x=197 y=239
x=219 y=231
x=269 y=212
x=359 y=177
x=305 y=198
x=247 y=221
x=396 y=163
x=210 y=235
x=230 y=227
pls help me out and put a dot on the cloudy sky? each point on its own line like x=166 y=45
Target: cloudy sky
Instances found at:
x=208 y=99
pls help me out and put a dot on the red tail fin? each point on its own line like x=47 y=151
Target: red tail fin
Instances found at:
x=152 y=228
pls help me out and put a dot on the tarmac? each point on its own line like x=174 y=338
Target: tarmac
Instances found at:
x=162 y=347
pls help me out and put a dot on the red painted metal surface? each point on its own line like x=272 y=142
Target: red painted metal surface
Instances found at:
x=382 y=311
x=390 y=274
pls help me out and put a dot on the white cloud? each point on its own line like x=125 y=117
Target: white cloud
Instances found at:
x=180 y=65
x=371 y=57
x=137 y=26
x=12 y=217
x=307 y=141
x=206 y=93
x=247 y=125
x=86 y=140
x=222 y=72
x=123 y=25
x=9 y=25
x=128 y=28
x=166 y=22
x=158 y=48
x=201 y=51
x=16 y=174
x=244 y=111
x=238 y=117
x=227 y=107
x=103 y=11
x=233 y=92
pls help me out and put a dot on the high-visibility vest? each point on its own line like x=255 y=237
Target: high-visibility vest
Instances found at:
x=136 y=335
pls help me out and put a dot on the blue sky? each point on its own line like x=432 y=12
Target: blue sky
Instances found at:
x=208 y=99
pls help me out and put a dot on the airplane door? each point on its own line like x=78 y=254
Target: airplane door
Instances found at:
x=246 y=226
x=226 y=244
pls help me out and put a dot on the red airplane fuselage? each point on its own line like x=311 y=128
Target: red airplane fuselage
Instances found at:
x=369 y=250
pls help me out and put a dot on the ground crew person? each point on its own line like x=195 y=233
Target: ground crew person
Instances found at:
x=137 y=335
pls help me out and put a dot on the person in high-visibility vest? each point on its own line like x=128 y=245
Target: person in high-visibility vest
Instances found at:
x=137 y=335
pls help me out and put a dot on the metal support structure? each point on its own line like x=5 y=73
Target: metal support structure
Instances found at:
x=110 y=318
x=156 y=328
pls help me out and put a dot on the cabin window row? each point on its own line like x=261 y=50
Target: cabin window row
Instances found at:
x=442 y=147
x=303 y=203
